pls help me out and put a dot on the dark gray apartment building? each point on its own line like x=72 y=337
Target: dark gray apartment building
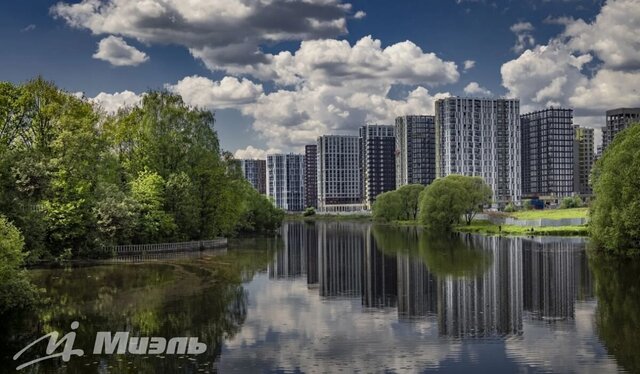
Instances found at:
x=583 y=159
x=378 y=147
x=311 y=175
x=618 y=120
x=415 y=150
x=547 y=153
x=255 y=171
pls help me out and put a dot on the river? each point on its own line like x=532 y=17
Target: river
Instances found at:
x=349 y=297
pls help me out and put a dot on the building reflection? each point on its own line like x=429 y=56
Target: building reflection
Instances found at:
x=538 y=279
x=556 y=275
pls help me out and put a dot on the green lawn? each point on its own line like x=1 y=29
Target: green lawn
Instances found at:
x=486 y=227
x=551 y=213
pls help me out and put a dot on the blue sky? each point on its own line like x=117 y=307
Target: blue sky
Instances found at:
x=547 y=52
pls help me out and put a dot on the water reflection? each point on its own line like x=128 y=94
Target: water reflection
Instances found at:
x=475 y=286
x=338 y=296
x=375 y=298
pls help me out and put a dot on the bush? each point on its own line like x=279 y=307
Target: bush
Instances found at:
x=510 y=208
x=310 y=211
x=571 y=202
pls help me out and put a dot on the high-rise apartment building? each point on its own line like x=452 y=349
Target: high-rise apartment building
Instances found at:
x=311 y=175
x=415 y=150
x=583 y=159
x=481 y=137
x=378 y=147
x=339 y=174
x=255 y=171
x=285 y=181
x=547 y=153
x=618 y=120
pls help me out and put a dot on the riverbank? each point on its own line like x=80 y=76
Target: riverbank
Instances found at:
x=329 y=217
x=488 y=228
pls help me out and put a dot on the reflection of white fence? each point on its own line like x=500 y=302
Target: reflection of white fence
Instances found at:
x=167 y=247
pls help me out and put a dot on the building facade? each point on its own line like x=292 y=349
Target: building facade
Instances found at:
x=481 y=137
x=285 y=181
x=583 y=159
x=618 y=120
x=339 y=174
x=311 y=175
x=415 y=150
x=547 y=153
x=378 y=146
x=255 y=171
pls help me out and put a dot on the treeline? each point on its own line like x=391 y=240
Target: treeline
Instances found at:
x=73 y=178
x=439 y=206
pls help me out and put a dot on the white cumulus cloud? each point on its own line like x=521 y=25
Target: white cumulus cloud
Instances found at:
x=474 y=89
x=117 y=52
x=252 y=153
x=225 y=34
x=112 y=102
x=230 y=92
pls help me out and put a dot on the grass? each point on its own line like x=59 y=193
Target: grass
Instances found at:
x=486 y=227
x=551 y=213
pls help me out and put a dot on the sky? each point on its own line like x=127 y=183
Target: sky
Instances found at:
x=280 y=73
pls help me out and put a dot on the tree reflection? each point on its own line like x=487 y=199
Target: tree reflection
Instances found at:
x=202 y=298
x=618 y=313
x=444 y=255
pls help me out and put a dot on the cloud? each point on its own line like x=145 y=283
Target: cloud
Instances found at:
x=468 y=65
x=327 y=86
x=117 y=52
x=613 y=36
x=28 y=28
x=591 y=67
x=111 y=103
x=475 y=89
x=252 y=153
x=230 y=92
x=337 y=63
x=360 y=14
x=224 y=34
x=524 y=36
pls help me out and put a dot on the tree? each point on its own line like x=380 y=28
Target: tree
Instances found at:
x=154 y=223
x=615 y=211
x=447 y=199
x=410 y=198
x=15 y=290
x=388 y=206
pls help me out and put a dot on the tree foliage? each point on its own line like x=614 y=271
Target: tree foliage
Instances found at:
x=15 y=289
x=615 y=211
x=73 y=178
x=399 y=205
x=447 y=199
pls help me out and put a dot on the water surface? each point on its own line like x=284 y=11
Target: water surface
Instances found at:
x=352 y=297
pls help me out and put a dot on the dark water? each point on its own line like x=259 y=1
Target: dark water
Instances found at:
x=349 y=297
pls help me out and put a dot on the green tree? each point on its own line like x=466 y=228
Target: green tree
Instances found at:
x=615 y=211
x=449 y=198
x=15 y=289
x=154 y=223
x=388 y=206
x=410 y=198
